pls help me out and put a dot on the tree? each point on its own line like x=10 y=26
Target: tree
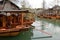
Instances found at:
x=25 y=4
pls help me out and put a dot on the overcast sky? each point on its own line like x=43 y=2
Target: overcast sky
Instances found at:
x=38 y=3
x=48 y=3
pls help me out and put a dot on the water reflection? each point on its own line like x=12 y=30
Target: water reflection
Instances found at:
x=51 y=26
x=22 y=36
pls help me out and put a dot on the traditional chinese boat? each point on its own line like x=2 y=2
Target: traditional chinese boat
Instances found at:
x=13 y=20
x=12 y=24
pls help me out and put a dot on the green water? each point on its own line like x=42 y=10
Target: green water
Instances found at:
x=22 y=36
x=49 y=25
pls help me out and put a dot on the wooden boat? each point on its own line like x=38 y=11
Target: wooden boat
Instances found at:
x=49 y=16
x=13 y=19
x=51 y=13
x=12 y=24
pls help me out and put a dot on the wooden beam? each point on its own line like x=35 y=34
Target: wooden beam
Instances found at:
x=15 y=11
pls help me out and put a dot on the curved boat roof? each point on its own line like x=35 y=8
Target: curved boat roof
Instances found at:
x=16 y=2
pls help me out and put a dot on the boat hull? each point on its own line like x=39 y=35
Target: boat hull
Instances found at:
x=10 y=34
x=13 y=31
x=50 y=17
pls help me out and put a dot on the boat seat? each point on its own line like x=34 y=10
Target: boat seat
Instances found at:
x=12 y=21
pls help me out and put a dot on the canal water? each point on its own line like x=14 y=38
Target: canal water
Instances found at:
x=43 y=29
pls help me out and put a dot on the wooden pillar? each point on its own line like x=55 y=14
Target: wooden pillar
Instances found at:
x=19 y=18
x=4 y=22
x=22 y=19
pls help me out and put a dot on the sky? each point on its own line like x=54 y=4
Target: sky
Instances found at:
x=35 y=3
x=38 y=3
